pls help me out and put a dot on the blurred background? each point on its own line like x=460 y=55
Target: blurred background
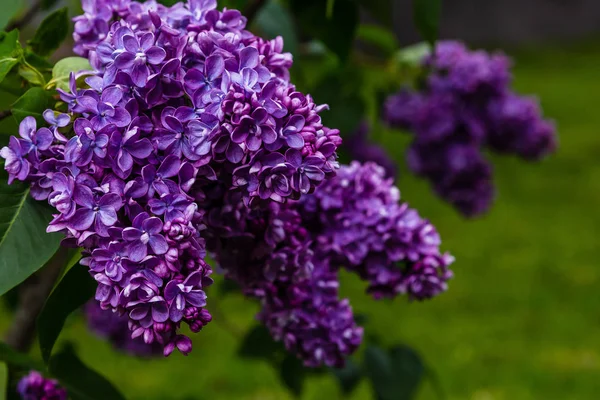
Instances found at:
x=520 y=320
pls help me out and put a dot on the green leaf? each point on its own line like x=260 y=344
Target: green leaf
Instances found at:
x=31 y=74
x=427 y=18
x=293 y=374
x=51 y=33
x=258 y=344
x=82 y=382
x=74 y=290
x=394 y=375
x=3 y=380
x=33 y=103
x=62 y=70
x=24 y=244
x=348 y=377
x=337 y=32
x=11 y=357
x=408 y=369
x=9 y=9
x=6 y=64
x=10 y=52
x=275 y=20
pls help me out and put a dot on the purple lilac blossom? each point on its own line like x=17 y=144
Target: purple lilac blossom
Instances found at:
x=180 y=98
x=34 y=386
x=288 y=256
x=465 y=105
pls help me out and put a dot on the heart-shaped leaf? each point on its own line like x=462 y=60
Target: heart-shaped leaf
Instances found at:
x=24 y=244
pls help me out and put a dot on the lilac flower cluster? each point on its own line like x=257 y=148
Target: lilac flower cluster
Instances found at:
x=288 y=256
x=466 y=104
x=112 y=327
x=34 y=386
x=183 y=104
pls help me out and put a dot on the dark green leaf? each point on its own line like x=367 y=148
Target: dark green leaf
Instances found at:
x=394 y=375
x=63 y=68
x=11 y=357
x=51 y=33
x=10 y=52
x=427 y=18
x=346 y=107
x=82 y=382
x=9 y=44
x=76 y=288
x=408 y=369
x=275 y=20
x=258 y=344
x=9 y=9
x=381 y=10
x=337 y=32
x=3 y=380
x=293 y=374
x=24 y=244
x=378 y=367
x=348 y=377
x=6 y=64
x=33 y=103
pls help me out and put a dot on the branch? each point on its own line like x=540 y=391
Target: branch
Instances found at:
x=32 y=296
x=252 y=9
x=24 y=19
x=5 y=114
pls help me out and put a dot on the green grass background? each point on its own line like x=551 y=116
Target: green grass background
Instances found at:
x=522 y=317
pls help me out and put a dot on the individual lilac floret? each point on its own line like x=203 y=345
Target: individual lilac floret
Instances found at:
x=464 y=105
x=34 y=386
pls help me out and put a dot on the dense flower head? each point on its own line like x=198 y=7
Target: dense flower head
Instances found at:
x=464 y=105
x=179 y=98
x=288 y=256
x=34 y=386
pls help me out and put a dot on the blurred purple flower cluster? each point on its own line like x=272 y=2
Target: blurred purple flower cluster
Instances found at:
x=188 y=137
x=465 y=105
x=288 y=256
x=34 y=386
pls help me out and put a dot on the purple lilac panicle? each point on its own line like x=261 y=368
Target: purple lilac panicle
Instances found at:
x=288 y=257
x=34 y=386
x=465 y=105
x=181 y=97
